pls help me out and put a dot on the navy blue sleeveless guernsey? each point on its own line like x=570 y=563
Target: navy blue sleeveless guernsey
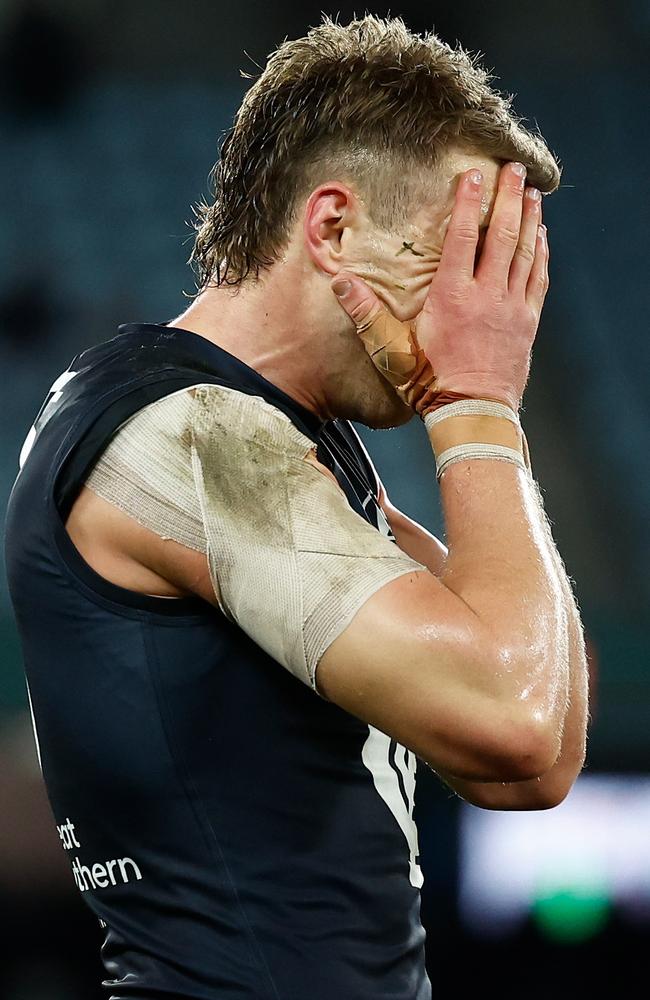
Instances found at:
x=221 y=819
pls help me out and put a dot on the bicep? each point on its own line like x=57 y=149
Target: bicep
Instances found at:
x=393 y=665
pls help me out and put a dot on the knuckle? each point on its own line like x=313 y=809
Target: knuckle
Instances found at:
x=525 y=253
x=530 y=317
x=498 y=294
x=363 y=309
x=507 y=235
x=464 y=231
x=457 y=293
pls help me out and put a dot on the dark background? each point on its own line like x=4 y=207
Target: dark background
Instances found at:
x=110 y=113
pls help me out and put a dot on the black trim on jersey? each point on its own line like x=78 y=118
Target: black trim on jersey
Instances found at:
x=122 y=597
x=193 y=356
x=202 y=355
x=370 y=482
x=347 y=468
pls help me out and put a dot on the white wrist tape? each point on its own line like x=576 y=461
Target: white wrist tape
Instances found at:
x=477 y=449
x=470 y=408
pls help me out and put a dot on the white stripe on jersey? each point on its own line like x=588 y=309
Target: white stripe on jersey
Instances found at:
x=375 y=756
x=52 y=396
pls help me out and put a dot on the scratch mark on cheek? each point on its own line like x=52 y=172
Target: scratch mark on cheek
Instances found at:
x=410 y=248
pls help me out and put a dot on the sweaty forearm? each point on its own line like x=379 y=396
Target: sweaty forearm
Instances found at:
x=548 y=790
x=574 y=735
x=553 y=786
x=556 y=782
x=500 y=565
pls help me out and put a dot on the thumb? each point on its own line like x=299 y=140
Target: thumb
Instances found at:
x=386 y=340
x=357 y=299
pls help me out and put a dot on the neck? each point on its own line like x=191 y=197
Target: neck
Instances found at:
x=289 y=327
x=265 y=325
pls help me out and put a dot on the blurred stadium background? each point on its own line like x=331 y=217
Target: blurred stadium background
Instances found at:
x=110 y=114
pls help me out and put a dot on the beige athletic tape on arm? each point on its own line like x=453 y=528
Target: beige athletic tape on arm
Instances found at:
x=146 y=471
x=292 y=560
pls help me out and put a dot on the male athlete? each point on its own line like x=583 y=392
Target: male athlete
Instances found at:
x=236 y=647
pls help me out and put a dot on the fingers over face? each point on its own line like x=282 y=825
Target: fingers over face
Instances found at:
x=525 y=252
x=386 y=340
x=503 y=232
x=459 y=247
x=537 y=285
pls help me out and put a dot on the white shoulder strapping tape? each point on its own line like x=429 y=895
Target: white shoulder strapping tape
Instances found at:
x=226 y=473
x=293 y=561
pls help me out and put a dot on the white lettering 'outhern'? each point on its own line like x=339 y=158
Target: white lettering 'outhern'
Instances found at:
x=100 y=875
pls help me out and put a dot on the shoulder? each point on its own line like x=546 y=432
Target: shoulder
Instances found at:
x=222 y=415
x=167 y=418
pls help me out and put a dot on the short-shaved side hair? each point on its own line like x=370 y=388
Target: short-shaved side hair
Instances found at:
x=370 y=103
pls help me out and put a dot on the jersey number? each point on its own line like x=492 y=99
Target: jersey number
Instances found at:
x=393 y=771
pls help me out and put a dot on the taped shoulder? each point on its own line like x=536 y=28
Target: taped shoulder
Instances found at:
x=292 y=560
x=256 y=425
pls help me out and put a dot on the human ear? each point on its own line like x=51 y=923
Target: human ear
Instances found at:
x=330 y=209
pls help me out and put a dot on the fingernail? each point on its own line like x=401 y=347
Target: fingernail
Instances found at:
x=519 y=169
x=533 y=193
x=541 y=232
x=341 y=287
x=476 y=177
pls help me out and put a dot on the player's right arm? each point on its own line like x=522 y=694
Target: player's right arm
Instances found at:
x=470 y=670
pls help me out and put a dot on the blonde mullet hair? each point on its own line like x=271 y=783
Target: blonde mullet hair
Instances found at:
x=369 y=102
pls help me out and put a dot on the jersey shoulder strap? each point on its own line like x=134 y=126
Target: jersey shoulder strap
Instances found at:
x=107 y=384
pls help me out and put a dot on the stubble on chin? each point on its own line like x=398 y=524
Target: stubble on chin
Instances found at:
x=392 y=415
x=374 y=403
x=358 y=391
